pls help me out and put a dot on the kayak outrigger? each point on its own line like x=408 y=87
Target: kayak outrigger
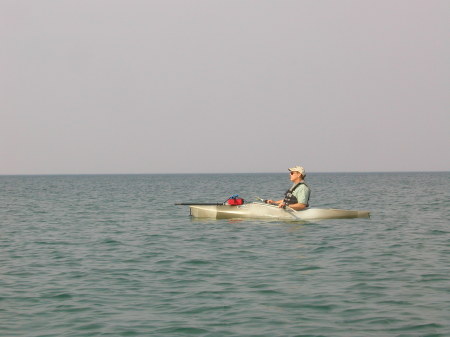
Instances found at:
x=258 y=210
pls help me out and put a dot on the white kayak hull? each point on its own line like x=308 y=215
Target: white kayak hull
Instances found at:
x=265 y=211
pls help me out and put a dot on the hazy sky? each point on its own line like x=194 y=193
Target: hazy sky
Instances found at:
x=181 y=86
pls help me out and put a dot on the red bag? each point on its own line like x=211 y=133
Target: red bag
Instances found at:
x=235 y=201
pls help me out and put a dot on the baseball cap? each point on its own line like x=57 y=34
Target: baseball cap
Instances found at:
x=298 y=169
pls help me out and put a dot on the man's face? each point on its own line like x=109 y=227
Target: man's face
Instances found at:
x=294 y=175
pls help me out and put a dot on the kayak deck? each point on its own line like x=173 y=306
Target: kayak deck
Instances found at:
x=265 y=211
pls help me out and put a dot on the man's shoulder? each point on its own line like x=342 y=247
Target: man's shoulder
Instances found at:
x=303 y=184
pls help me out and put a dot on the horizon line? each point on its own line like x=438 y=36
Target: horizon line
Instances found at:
x=209 y=173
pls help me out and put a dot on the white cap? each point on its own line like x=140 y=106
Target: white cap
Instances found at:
x=298 y=169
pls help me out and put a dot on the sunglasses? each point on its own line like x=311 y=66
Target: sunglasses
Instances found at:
x=292 y=172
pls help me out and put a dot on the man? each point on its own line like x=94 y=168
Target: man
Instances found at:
x=297 y=197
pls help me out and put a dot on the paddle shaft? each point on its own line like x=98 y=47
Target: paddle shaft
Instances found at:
x=200 y=203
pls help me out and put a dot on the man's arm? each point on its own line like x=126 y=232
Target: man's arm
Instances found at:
x=298 y=206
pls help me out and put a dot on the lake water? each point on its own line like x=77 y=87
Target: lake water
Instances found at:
x=110 y=255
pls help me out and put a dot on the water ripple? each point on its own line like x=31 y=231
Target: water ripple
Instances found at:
x=96 y=256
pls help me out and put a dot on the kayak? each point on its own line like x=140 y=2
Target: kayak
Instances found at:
x=258 y=210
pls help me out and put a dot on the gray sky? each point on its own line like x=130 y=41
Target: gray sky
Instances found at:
x=181 y=86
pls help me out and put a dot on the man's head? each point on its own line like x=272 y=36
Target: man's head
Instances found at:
x=297 y=170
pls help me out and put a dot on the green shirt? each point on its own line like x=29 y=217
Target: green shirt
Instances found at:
x=302 y=193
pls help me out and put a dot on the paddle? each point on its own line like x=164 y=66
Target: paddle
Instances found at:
x=199 y=203
x=234 y=196
x=287 y=208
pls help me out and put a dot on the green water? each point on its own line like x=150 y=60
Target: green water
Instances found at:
x=111 y=256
